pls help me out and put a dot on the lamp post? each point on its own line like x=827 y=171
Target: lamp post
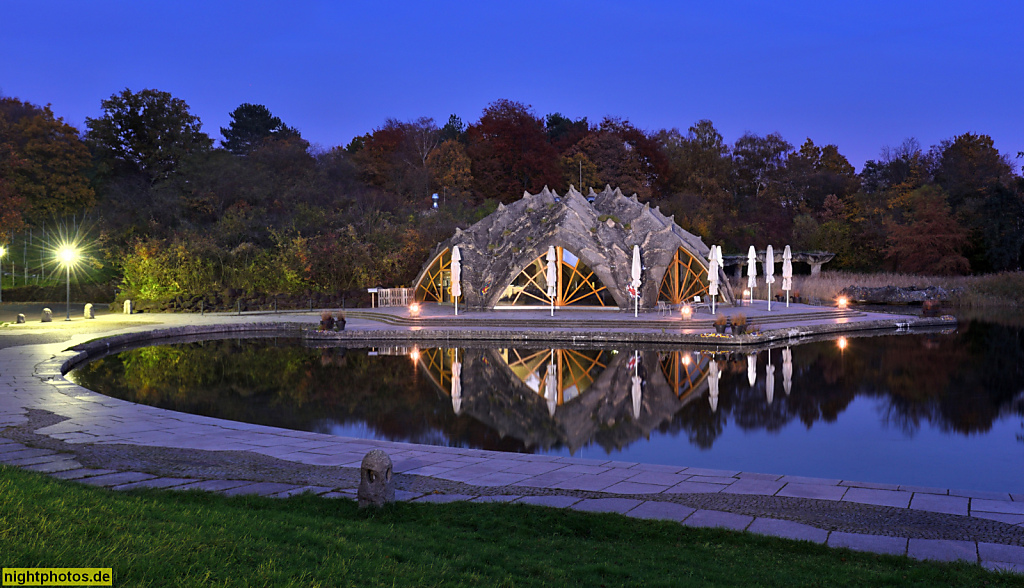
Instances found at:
x=67 y=256
x=3 y=250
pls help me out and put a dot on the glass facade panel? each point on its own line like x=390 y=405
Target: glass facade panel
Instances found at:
x=436 y=284
x=686 y=277
x=578 y=285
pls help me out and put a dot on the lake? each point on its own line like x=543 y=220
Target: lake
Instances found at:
x=940 y=409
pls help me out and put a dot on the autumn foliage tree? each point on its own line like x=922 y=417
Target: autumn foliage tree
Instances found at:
x=510 y=152
x=47 y=161
x=930 y=241
x=12 y=205
x=451 y=170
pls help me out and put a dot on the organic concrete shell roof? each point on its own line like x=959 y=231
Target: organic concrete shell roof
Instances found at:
x=600 y=229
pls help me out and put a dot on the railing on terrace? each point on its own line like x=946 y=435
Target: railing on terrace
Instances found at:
x=395 y=296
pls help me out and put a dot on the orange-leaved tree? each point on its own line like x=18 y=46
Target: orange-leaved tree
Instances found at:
x=930 y=241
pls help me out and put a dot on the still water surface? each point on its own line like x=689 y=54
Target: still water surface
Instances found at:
x=938 y=409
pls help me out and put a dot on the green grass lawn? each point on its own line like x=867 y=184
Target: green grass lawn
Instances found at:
x=166 y=538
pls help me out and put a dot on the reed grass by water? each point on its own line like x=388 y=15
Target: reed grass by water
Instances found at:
x=991 y=291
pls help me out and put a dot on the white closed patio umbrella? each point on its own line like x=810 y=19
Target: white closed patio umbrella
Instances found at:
x=713 y=260
x=751 y=272
x=635 y=281
x=769 y=383
x=769 y=272
x=552 y=277
x=787 y=370
x=787 y=272
x=713 y=375
x=457 y=384
x=456 y=277
x=752 y=369
x=636 y=394
x=551 y=385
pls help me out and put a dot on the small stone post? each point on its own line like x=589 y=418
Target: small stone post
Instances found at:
x=376 y=484
x=21 y=319
x=47 y=315
x=127 y=306
x=88 y=311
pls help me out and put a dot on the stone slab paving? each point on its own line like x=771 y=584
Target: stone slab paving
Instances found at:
x=870 y=543
x=788 y=530
x=894 y=498
x=715 y=518
x=617 y=505
x=943 y=550
x=550 y=501
x=667 y=511
x=939 y=524
x=155 y=483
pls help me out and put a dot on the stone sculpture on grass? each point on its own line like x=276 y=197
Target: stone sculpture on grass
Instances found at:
x=376 y=484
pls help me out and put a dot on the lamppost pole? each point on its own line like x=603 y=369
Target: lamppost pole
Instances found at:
x=68 y=255
x=67 y=268
x=2 y=252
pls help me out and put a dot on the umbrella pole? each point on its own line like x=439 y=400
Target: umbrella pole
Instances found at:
x=787 y=298
x=456 y=306
x=712 y=305
x=552 y=306
x=636 y=305
x=769 y=297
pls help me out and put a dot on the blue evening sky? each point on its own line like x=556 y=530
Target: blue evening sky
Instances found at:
x=860 y=74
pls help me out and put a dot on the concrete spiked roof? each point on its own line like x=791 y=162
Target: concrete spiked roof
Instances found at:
x=600 y=228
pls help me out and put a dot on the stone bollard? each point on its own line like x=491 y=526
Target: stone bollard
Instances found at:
x=127 y=306
x=376 y=485
x=88 y=311
x=21 y=319
x=47 y=315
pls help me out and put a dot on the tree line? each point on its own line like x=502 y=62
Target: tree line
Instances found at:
x=265 y=211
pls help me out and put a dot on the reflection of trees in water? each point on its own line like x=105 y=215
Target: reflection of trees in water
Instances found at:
x=960 y=383
x=283 y=384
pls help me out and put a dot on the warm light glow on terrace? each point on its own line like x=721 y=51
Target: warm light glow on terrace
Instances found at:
x=842 y=302
x=414 y=309
x=687 y=312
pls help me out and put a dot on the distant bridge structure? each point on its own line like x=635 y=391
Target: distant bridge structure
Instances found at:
x=815 y=259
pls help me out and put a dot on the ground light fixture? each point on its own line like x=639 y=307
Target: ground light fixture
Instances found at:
x=687 y=312
x=414 y=309
x=67 y=256
x=842 y=302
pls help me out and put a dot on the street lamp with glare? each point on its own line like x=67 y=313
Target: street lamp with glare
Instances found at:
x=68 y=255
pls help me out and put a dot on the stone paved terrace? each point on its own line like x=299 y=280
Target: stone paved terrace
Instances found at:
x=50 y=425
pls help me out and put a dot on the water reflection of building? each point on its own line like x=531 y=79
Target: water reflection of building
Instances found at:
x=569 y=397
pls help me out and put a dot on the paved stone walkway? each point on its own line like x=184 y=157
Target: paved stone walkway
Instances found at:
x=50 y=425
